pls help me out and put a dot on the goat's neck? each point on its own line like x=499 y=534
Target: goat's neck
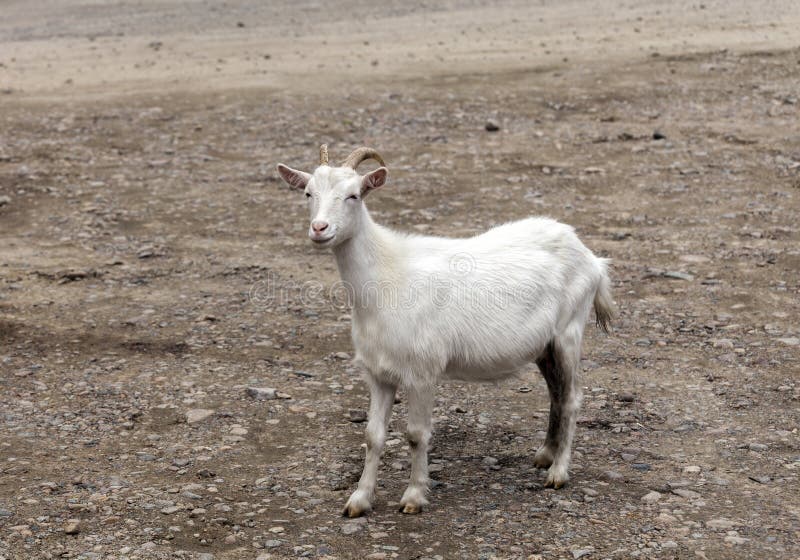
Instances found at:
x=367 y=258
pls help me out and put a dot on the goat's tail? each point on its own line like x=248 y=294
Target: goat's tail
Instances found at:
x=604 y=307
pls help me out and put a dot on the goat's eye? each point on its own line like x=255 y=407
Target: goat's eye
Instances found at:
x=352 y=197
x=308 y=195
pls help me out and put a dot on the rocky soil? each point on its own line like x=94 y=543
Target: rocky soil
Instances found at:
x=175 y=376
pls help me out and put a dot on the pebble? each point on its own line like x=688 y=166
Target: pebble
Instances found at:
x=691 y=469
x=790 y=341
x=491 y=126
x=684 y=493
x=651 y=497
x=350 y=528
x=357 y=416
x=73 y=527
x=272 y=543
x=735 y=539
x=581 y=552
x=262 y=393
x=758 y=447
x=198 y=415
x=613 y=476
x=720 y=523
x=205 y=556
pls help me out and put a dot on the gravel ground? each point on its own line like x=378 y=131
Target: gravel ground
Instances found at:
x=175 y=377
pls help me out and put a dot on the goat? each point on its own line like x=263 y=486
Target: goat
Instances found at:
x=474 y=309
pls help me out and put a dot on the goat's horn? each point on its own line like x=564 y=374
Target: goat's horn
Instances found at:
x=360 y=155
x=323 y=154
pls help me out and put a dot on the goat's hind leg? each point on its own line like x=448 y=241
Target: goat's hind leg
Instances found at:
x=567 y=351
x=380 y=411
x=550 y=371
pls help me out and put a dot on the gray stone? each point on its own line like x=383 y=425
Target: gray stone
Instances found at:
x=198 y=415
x=262 y=393
x=651 y=497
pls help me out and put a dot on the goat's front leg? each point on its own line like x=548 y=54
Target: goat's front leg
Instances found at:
x=420 y=412
x=380 y=411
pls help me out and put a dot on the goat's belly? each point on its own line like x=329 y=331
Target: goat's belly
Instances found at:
x=488 y=373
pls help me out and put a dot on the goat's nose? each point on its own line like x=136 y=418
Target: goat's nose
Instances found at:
x=319 y=226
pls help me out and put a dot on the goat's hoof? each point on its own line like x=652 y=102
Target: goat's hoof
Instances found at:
x=353 y=511
x=356 y=506
x=543 y=458
x=413 y=501
x=411 y=509
x=554 y=484
x=556 y=478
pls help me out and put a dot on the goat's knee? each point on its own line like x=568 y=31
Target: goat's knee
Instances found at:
x=375 y=436
x=418 y=438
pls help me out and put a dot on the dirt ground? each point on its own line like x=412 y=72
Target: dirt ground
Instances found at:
x=153 y=267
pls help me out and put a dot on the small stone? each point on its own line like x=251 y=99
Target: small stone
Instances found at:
x=658 y=135
x=790 y=341
x=73 y=527
x=669 y=544
x=735 y=539
x=350 y=528
x=651 y=497
x=272 y=543
x=691 y=469
x=760 y=479
x=357 y=416
x=276 y=530
x=198 y=415
x=171 y=509
x=262 y=393
x=684 y=493
x=5 y=200
x=721 y=524
x=581 y=552
x=757 y=447
x=613 y=476
x=205 y=556
x=492 y=126
x=626 y=397
x=666 y=519
x=341 y=356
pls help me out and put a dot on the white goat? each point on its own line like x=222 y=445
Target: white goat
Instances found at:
x=477 y=309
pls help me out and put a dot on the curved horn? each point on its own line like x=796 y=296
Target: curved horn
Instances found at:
x=360 y=155
x=323 y=154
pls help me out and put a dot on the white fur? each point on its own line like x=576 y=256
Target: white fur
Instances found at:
x=478 y=309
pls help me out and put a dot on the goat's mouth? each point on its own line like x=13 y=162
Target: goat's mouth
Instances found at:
x=322 y=241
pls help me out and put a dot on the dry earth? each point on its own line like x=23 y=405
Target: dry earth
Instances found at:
x=153 y=267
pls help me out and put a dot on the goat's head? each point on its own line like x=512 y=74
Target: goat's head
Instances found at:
x=335 y=194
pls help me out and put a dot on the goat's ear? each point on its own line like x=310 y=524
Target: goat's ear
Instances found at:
x=294 y=178
x=373 y=180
